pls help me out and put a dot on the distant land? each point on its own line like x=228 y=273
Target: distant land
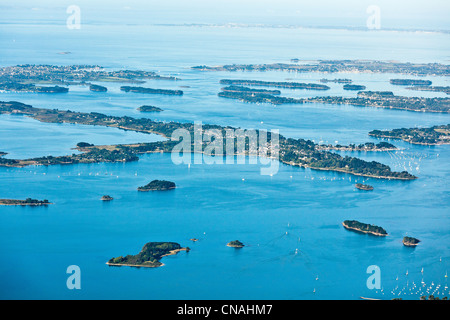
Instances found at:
x=150 y=255
x=426 y=136
x=336 y=80
x=334 y=66
x=294 y=152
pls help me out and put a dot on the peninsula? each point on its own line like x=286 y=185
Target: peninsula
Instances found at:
x=436 y=135
x=150 y=255
x=294 y=152
x=26 y=202
x=368 y=146
x=364 y=228
x=158 y=185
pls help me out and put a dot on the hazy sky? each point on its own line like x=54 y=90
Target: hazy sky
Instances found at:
x=420 y=14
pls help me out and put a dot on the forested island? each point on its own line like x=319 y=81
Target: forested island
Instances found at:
x=150 y=255
x=26 y=202
x=431 y=88
x=425 y=136
x=364 y=228
x=354 y=87
x=250 y=90
x=258 y=97
x=368 y=146
x=379 y=99
x=410 y=82
x=158 y=185
x=410 y=241
x=149 y=109
x=19 y=87
x=364 y=187
x=106 y=198
x=235 y=244
x=288 y=85
x=97 y=88
x=152 y=91
x=334 y=66
x=294 y=152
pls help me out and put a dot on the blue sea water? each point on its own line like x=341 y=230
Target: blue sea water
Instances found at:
x=290 y=222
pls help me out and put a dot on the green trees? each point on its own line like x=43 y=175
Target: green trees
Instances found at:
x=158 y=185
x=150 y=254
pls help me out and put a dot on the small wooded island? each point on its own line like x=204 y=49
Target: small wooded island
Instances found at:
x=19 y=87
x=97 y=88
x=158 y=185
x=288 y=85
x=364 y=228
x=107 y=198
x=26 y=202
x=410 y=241
x=149 y=109
x=354 y=87
x=151 y=90
x=235 y=244
x=150 y=255
x=410 y=82
x=364 y=187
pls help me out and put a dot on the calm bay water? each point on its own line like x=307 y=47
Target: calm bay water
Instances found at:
x=291 y=221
